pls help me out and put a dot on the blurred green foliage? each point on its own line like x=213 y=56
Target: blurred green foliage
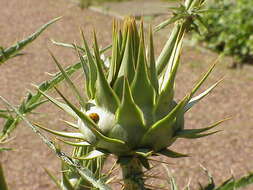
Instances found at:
x=229 y=28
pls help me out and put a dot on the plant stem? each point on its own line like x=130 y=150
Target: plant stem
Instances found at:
x=3 y=184
x=132 y=174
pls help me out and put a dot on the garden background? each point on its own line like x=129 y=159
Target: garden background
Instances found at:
x=229 y=151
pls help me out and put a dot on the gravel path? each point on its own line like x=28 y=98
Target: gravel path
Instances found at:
x=230 y=150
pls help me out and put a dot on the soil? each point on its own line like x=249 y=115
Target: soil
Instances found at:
x=229 y=152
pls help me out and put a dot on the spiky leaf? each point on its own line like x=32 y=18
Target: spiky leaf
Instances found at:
x=232 y=183
x=69 y=82
x=13 y=50
x=105 y=96
x=92 y=74
x=104 y=141
x=62 y=134
x=141 y=83
x=196 y=99
x=161 y=133
x=195 y=133
x=129 y=119
x=151 y=62
x=172 y=154
x=84 y=172
x=91 y=155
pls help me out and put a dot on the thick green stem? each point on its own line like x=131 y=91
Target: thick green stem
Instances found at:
x=132 y=174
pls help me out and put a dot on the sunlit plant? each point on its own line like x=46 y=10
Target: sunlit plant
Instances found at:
x=130 y=111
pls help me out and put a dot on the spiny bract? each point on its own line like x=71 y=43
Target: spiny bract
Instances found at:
x=131 y=110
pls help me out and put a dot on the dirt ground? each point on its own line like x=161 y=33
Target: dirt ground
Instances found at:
x=228 y=152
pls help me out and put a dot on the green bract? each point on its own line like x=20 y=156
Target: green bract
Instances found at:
x=131 y=108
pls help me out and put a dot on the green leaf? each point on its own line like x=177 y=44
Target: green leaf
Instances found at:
x=202 y=80
x=103 y=140
x=165 y=99
x=91 y=155
x=196 y=99
x=127 y=67
x=201 y=21
x=116 y=54
x=105 y=96
x=13 y=50
x=9 y=125
x=179 y=30
x=77 y=144
x=151 y=62
x=67 y=45
x=129 y=118
x=65 y=178
x=5 y=114
x=47 y=85
x=69 y=82
x=84 y=172
x=2 y=115
x=98 y=183
x=31 y=102
x=86 y=74
x=73 y=125
x=141 y=83
x=54 y=179
x=232 y=183
x=90 y=123
x=190 y=4
x=145 y=163
x=169 y=75
x=4 y=111
x=171 y=180
x=166 y=53
x=136 y=38
x=34 y=106
x=180 y=8
x=168 y=22
x=144 y=152
x=172 y=154
x=211 y=184
x=62 y=134
x=196 y=136
x=191 y=133
x=3 y=184
x=61 y=105
x=160 y=133
x=92 y=69
x=34 y=99
x=58 y=77
x=4 y=149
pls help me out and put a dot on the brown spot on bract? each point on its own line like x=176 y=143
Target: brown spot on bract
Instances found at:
x=94 y=117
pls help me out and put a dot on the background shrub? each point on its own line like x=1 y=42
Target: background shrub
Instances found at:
x=230 y=29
